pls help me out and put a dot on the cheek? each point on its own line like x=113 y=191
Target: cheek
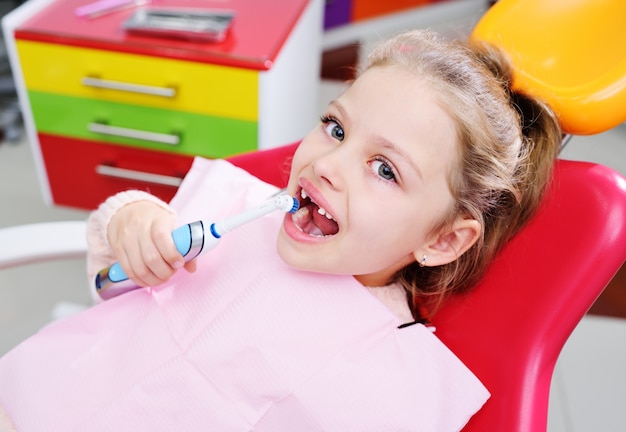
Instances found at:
x=406 y=227
x=296 y=168
x=302 y=157
x=386 y=228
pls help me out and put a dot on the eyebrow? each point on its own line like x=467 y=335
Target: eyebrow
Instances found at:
x=388 y=145
x=383 y=142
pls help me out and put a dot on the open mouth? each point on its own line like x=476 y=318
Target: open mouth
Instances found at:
x=314 y=220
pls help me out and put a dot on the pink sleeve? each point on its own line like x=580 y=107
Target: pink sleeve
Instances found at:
x=99 y=253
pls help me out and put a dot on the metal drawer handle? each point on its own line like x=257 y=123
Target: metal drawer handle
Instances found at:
x=128 y=87
x=146 y=177
x=133 y=133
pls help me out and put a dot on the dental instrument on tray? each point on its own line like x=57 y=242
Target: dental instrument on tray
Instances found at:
x=104 y=7
x=194 y=24
x=191 y=240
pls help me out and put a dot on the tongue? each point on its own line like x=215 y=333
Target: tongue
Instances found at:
x=327 y=226
x=313 y=223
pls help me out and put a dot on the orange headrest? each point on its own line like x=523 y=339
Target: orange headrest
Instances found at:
x=570 y=53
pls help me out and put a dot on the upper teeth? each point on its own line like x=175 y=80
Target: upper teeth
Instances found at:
x=320 y=210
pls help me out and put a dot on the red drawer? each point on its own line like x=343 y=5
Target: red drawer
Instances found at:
x=84 y=173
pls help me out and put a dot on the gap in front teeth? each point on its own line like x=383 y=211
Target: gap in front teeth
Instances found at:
x=320 y=210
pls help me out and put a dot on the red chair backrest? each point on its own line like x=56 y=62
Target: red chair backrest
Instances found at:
x=511 y=328
x=271 y=165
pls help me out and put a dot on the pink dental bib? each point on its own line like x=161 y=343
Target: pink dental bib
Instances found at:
x=243 y=344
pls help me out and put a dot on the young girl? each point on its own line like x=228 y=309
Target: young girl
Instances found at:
x=414 y=179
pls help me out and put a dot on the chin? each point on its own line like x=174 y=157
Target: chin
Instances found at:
x=288 y=255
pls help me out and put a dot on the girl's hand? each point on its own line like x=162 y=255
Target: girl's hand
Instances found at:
x=140 y=235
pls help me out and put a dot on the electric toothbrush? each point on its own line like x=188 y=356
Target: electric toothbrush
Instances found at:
x=191 y=240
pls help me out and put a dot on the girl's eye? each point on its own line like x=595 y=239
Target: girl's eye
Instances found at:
x=333 y=128
x=383 y=169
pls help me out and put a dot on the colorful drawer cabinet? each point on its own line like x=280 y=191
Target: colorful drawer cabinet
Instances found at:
x=107 y=110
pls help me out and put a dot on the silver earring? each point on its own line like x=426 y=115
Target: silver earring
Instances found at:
x=423 y=261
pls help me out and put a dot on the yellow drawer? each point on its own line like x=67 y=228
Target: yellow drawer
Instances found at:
x=140 y=80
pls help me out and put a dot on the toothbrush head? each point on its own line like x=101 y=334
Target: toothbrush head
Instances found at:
x=287 y=203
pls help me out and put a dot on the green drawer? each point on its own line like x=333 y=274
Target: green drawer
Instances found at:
x=140 y=126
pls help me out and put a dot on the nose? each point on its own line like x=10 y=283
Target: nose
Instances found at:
x=331 y=167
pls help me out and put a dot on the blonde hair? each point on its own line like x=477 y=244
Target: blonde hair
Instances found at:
x=507 y=145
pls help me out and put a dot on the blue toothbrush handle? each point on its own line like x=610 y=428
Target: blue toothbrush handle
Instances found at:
x=189 y=240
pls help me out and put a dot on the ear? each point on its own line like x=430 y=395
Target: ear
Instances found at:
x=450 y=244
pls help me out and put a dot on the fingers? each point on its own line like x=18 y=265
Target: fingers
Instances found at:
x=140 y=235
x=191 y=266
x=154 y=259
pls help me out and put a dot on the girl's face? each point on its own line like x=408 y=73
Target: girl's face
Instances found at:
x=372 y=178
